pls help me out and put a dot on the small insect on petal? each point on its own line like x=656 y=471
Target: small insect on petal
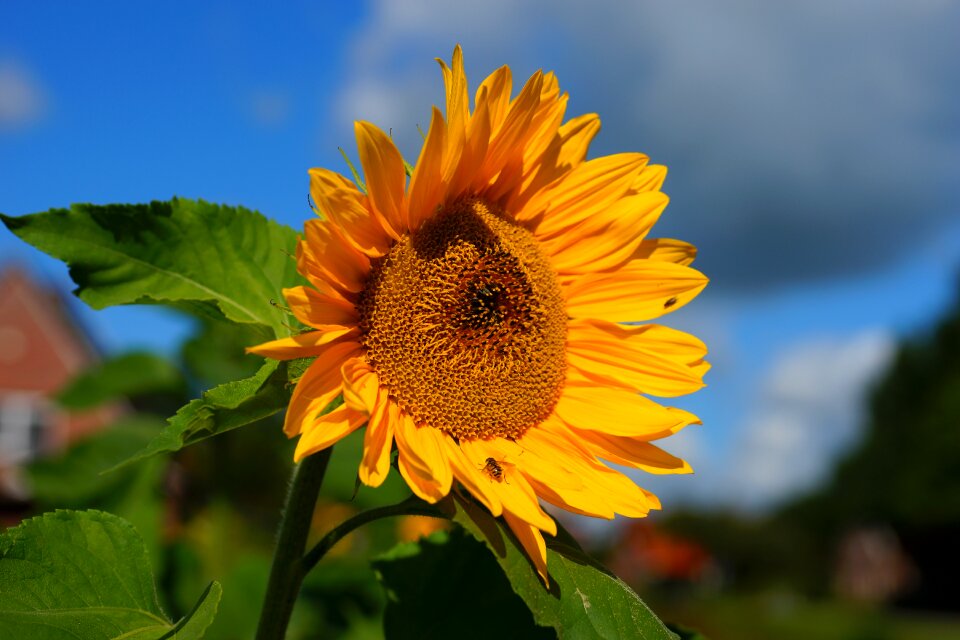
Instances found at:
x=494 y=470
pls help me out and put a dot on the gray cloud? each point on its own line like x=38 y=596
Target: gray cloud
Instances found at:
x=805 y=140
x=270 y=108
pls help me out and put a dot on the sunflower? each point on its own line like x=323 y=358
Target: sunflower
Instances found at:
x=474 y=317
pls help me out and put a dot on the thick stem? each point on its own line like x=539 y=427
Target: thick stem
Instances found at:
x=412 y=506
x=286 y=573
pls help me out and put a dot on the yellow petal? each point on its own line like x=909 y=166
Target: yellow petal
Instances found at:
x=385 y=177
x=640 y=290
x=465 y=177
x=619 y=412
x=426 y=184
x=513 y=489
x=532 y=542
x=378 y=442
x=422 y=451
x=538 y=143
x=566 y=151
x=604 y=492
x=424 y=486
x=576 y=135
x=632 y=356
x=652 y=499
x=471 y=477
x=349 y=209
x=495 y=90
x=361 y=385
x=607 y=239
x=650 y=179
x=542 y=135
x=515 y=129
x=574 y=497
x=302 y=345
x=546 y=464
x=458 y=106
x=319 y=310
x=670 y=343
x=604 y=488
x=327 y=430
x=667 y=250
x=328 y=254
x=319 y=385
x=584 y=192
x=634 y=453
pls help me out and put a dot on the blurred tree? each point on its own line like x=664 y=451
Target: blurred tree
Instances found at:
x=902 y=478
x=904 y=474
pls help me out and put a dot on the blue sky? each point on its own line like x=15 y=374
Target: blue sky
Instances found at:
x=812 y=152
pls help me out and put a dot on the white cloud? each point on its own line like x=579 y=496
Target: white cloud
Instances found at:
x=809 y=411
x=22 y=101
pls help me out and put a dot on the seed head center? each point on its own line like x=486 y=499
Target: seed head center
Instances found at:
x=465 y=324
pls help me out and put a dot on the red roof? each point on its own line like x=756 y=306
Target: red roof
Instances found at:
x=41 y=347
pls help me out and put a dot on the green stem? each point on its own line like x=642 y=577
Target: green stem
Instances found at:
x=412 y=506
x=286 y=572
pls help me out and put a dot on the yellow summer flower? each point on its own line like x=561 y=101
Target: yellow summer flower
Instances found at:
x=473 y=316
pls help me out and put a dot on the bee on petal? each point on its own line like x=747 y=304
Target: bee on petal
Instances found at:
x=494 y=470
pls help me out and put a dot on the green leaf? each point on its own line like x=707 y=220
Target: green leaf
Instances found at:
x=213 y=260
x=215 y=354
x=228 y=406
x=85 y=575
x=75 y=478
x=584 y=600
x=428 y=583
x=685 y=633
x=128 y=375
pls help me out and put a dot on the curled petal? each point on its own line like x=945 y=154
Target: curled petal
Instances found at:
x=641 y=290
x=317 y=388
x=421 y=453
x=385 y=177
x=619 y=412
x=328 y=430
x=532 y=542
x=378 y=442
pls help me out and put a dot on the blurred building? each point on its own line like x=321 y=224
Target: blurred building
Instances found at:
x=42 y=346
x=872 y=566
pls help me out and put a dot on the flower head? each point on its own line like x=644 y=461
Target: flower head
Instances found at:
x=473 y=316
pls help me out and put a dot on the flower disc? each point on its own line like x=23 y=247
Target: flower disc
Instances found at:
x=465 y=323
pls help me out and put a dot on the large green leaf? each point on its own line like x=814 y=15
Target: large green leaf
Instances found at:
x=215 y=353
x=84 y=575
x=218 y=261
x=228 y=406
x=584 y=600
x=128 y=375
x=448 y=586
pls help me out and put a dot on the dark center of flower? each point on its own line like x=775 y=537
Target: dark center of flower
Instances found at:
x=465 y=324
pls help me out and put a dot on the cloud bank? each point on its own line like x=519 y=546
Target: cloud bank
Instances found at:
x=805 y=140
x=809 y=411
